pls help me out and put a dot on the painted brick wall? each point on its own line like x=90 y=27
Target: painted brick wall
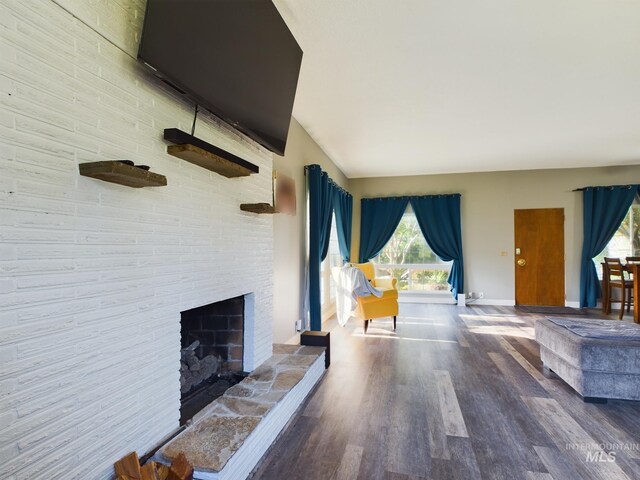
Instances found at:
x=93 y=275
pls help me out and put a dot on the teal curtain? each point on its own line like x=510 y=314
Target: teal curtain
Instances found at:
x=379 y=218
x=439 y=220
x=604 y=208
x=343 y=208
x=321 y=195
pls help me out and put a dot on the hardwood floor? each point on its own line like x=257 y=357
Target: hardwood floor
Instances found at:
x=455 y=393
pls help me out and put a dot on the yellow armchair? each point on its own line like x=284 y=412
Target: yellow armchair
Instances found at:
x=372 y=307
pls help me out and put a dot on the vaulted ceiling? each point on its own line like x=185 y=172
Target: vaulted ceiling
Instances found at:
x=406 y=87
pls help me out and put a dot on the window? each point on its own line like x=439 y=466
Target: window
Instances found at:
x=408 y=258
x=327 y=282
x=626 y=240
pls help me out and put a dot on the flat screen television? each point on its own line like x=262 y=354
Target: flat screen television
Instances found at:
x=235 y=58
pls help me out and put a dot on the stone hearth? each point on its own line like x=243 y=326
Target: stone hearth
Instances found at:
x=228 y=438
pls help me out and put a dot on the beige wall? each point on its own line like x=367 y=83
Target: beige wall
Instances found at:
x=289 y=231
x=488 y=202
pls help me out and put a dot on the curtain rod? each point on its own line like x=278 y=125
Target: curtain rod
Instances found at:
x=331 y=180
x=581 y=189
x=397 y=197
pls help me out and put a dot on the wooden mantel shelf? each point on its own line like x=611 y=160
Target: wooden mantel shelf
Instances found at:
x=257 y=208
x=117 y=171
x=196 y=151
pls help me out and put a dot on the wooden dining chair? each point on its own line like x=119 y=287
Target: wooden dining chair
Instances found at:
x=631 y=261
x=606 y=290
x=614 y=272
x=612 y=260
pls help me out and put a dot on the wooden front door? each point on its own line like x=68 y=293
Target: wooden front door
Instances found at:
x=539 y=256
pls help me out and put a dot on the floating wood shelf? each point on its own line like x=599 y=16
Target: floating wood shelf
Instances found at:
x=116 y=171
x=207 y=156
x=210 y=161
x=257 y=208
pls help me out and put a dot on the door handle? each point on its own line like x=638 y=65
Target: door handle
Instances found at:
x=522 y=262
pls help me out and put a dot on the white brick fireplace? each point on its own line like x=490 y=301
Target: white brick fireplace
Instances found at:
x=93 y=275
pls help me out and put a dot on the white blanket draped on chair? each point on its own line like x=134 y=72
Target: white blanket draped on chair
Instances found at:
x=351 y=283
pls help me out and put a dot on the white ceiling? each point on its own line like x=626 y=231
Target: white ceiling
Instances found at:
x=406 y=87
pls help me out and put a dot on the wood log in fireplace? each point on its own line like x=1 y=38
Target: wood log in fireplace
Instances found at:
x=194 y=370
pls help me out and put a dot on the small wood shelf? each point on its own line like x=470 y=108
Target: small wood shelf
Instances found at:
x=210 y=161
x=115 y=171
x=196 y=151
x=257 y=208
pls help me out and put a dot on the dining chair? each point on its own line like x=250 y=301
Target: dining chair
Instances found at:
x=612 y=260
x=631 y=261
x=606 y=297
x=614 y=272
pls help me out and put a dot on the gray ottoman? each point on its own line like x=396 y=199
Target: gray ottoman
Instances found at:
x=600 y=359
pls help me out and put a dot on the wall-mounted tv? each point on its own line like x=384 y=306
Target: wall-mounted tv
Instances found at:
x=235 y=58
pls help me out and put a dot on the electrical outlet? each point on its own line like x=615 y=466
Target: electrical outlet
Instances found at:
x=298 y=325
x=481 y=295
x=470 y=295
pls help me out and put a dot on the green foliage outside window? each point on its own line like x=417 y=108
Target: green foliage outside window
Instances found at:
x=626 y=240
x=629 y=230
x=407 y=246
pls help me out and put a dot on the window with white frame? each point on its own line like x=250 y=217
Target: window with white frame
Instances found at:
x=626 y=240
x=327 y=281
x=408 y=258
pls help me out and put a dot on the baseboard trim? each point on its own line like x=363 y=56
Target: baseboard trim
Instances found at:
x=491 y=301
x=442 y=299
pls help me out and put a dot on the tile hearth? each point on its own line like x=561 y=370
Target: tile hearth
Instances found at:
x=235 y=430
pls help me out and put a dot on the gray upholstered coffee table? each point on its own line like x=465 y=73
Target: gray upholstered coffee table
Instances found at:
x=600 y=359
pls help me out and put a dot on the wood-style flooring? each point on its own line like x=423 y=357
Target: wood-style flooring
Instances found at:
x=454 y=393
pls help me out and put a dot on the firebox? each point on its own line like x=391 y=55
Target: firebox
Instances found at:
x=212 y=350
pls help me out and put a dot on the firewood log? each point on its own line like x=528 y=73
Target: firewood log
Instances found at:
x=180 y=469
x=163 y=471
x=128 y=467
x=149 y=471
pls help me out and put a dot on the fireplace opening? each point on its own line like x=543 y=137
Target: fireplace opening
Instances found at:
x=212 y=351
